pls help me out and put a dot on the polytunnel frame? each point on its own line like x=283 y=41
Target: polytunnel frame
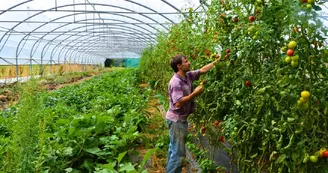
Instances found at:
x=77 y=48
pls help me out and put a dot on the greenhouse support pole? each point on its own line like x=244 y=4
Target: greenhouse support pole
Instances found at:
x=41 y=68
x=31 y=68
x=50 y=67
x=17 y=68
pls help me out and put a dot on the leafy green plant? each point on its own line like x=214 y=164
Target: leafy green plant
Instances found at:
x=117 y=166
x=78 y=127
x=272 y=52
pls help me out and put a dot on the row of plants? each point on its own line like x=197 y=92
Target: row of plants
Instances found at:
x=93 y=126
x=202 y=155
x=9 y=71
x=268 y=93
x=9 y=92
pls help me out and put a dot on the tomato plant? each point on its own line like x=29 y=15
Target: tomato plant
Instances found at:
x=281 y=54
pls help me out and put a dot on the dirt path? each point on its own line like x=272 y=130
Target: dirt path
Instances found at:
x=72 y=83
x=157 y=128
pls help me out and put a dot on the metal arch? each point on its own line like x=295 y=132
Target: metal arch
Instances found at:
x=89 y=52
x=55 y=49
x=64 y=26
x=174 y=7
x=6 y=34
x=184 y=15
x=87 y=56
x=87 y=44
x=91 y=25
x=16 y=6
x=135 y=50
x=60 y=52
x=93 y=43
x=68 y=37
x=93 y=46
x=59 y=44
x=71 y=55
x=129 y=29
x=150 y=10
x=67 y=5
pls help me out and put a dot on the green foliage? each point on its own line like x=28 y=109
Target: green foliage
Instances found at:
x=274 y=132
x=76 y=128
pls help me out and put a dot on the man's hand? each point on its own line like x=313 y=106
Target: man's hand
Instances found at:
x=209 y=66
x=198 y=90
x=217 y=60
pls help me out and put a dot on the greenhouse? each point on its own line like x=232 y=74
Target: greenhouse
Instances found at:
x=157 y=86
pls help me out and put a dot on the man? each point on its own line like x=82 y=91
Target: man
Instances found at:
x=181 y=106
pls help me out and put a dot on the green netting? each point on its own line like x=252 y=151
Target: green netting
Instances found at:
x=126 y=62
x=131 y=62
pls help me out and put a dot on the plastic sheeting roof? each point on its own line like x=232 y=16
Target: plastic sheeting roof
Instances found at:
x=73 y=30
x=86 y=31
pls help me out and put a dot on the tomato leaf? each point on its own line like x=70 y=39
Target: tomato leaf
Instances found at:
x=316 y=8
x=281 y=158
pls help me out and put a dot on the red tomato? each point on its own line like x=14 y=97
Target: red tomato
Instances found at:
x=228 y=51
x=193 y=56
x=216 y=123
x=290 y=52
x=248 y=83
x=325 y=154
x=203 y=129
x=251 y=18
x=207 y=52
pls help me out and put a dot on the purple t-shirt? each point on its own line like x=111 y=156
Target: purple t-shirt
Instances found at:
x=178 y=88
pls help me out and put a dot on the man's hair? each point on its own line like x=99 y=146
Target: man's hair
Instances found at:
x=177 y=59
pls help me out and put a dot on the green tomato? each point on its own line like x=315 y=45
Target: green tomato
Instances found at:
x=299 y=104
x=311 y=2
x=294 y=64
x=292 y=44
x=282 y=93
x=251 y=29
x=308 y=6
x=295 y=58
x=288 y=59
x=314 y=159
x=284 y=49
x=305 y=106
